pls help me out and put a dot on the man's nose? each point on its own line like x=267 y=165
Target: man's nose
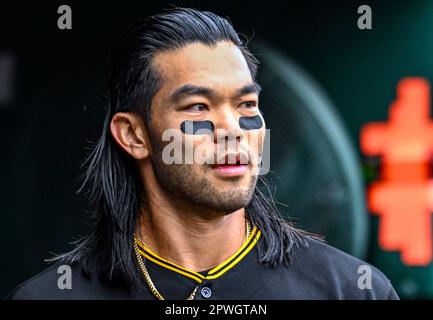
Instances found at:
x=227 y=128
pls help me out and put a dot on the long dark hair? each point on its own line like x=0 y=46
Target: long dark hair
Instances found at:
x=111 y=178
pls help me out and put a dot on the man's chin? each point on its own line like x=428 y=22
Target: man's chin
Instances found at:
x=228 y=208
x=231 y=200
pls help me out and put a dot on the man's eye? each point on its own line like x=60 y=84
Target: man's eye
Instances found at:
x=248 y=104
x=199 y=107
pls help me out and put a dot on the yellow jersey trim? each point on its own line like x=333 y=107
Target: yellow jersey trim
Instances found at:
x=165 y=263
x=235 y=254
x=237 y=260
x=199 y=280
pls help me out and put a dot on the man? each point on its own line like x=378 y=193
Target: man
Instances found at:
x=170 y=228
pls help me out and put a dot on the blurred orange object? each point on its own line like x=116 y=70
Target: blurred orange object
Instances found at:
x=403 y=196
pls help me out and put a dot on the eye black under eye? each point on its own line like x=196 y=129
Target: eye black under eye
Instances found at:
x=250 y=123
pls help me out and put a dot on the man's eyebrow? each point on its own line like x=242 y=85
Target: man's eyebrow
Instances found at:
x=249 y=88
x=191 y=90
x=194 y=90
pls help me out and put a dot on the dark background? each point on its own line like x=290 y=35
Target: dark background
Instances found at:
x=56 y=106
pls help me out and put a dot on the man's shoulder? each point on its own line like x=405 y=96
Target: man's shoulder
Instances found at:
x=337 y=274
x=318 y=251
x=51 y=283
x=63 y=281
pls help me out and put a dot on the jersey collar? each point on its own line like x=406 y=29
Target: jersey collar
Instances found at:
x=214 y=273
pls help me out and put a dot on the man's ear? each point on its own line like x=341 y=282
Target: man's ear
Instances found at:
x=130 y=133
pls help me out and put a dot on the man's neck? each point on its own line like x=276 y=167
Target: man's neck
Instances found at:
x=190 y=237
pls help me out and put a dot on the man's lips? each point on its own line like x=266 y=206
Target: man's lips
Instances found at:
x=229 y=170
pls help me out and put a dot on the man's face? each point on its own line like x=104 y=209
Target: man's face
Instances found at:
x=212 y=84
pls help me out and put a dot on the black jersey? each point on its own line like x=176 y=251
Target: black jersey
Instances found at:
x=318 y=271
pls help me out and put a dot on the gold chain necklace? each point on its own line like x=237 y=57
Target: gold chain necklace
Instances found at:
x=149 y=281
